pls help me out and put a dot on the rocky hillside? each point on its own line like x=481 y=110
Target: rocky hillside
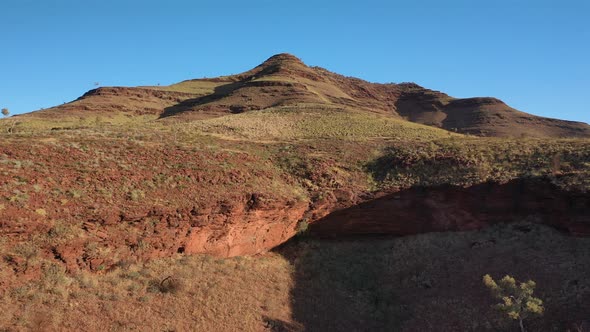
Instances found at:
x=239 y=164
x=155 y=208
x=284 y=80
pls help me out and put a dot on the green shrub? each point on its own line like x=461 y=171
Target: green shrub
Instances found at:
x=518 y=302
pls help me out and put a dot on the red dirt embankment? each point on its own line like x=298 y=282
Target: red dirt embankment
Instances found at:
x=243 y=228
x=95 y=203
x=92 y=204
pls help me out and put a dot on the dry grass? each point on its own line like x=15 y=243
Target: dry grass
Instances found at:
x=426 y=282
x=467 y=161
x=31 y=125
x=309 y=121
x=192 y=86
x=198 y=293
x=400 y=284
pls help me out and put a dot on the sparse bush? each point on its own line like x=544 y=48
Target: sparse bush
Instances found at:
x=518 y=301
x=75 y=193
x=54 y=279
x=171 y=285
x=302 y=226
x=28 y=251
x=136 y=195
x=5 y=112
x=62 y=232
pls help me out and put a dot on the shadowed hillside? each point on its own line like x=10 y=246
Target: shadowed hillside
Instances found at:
x=433 y=282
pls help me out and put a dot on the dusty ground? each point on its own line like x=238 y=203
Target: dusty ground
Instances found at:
x=429 y=282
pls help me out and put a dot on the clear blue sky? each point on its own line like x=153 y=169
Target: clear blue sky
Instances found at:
x=534 y=55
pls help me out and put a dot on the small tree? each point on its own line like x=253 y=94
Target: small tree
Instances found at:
x=5 y=111
x=518 y=302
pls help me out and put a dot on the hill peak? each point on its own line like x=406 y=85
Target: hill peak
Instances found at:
x=282 y=59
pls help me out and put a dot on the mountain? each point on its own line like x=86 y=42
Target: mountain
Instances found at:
x=213 y=204
x=284 y=80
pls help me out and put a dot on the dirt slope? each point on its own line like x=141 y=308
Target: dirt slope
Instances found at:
x=284 y=79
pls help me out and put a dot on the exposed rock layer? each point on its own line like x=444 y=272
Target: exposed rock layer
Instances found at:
x=450 y=208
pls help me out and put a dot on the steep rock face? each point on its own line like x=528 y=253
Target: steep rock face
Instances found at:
x=420 y=105
x=450 y=208
x=218 y=230
x=242 y=228
x=248 y=233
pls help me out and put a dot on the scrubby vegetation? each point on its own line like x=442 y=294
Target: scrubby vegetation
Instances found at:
x=467 y=161
x=316 y=122
x=199 y=293
x=424 y=282
x=518 y=302
x=94 y=207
